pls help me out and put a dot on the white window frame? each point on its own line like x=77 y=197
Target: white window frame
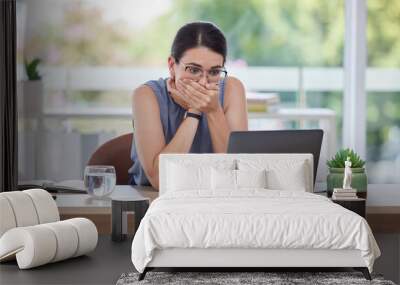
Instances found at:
x=355 y=64
x=355 y=69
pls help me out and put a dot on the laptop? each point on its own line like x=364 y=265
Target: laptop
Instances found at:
x=282 y=141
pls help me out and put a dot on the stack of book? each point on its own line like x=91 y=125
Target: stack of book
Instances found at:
x=262 y=102
x=343 y=194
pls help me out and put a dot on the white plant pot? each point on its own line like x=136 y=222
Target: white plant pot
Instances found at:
x=30 y=112
x=30 y=102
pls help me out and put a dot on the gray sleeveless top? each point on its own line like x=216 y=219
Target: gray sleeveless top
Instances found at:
x=171 y=116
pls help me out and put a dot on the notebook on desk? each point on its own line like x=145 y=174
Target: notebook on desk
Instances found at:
x=67 y=186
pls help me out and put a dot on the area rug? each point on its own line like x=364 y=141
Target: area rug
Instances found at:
x=242 y=278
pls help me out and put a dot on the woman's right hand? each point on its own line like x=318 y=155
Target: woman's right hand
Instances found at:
x=179 y=97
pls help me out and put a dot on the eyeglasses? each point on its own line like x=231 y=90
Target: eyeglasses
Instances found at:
x=213 y=75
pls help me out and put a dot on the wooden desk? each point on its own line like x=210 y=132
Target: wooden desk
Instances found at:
x=384 y=219
x=383 y=208
x=99 y=210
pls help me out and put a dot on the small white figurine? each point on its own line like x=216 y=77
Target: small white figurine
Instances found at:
x=347 y=174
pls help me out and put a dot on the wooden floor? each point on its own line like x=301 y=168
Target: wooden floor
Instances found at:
x=102 y=266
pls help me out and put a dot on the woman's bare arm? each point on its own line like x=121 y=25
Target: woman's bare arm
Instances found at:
x=149 y=135
x=230 y=117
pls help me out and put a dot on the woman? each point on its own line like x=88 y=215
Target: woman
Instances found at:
x=194 y=110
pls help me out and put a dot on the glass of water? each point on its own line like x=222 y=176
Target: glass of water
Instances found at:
x=99 y=180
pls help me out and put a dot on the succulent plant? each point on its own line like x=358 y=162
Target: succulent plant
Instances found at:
x=341 y=156
x=31 y=69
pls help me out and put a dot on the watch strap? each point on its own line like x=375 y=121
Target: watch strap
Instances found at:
x=193 y=115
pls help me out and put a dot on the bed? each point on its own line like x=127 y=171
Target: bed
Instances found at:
x=245 y=211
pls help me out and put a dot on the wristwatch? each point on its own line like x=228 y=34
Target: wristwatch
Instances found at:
x=193 y=115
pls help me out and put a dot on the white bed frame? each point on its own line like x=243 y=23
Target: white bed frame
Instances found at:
x=250 y=258
x=234 y=257
x=242 y=259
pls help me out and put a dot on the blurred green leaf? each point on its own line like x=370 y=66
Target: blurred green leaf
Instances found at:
x=31 y=69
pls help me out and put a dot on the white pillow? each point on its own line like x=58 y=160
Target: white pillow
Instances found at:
x=293 y=180
x=283 y=174
x=251 y=178
x=188 y=177
x=223 y=179
x=228 y=179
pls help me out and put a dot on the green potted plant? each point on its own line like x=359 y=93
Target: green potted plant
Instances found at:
x=336 y=172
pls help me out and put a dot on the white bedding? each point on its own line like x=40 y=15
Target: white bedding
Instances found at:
x=251 y=218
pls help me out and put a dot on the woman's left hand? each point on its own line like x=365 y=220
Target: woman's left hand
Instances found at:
x=203 y=98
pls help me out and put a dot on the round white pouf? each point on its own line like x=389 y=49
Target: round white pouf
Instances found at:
x=31 y=232
x=52 y=242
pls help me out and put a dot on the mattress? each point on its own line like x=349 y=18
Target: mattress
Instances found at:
x=250 y=219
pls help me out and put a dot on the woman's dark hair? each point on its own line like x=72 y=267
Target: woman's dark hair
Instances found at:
x=198 y=34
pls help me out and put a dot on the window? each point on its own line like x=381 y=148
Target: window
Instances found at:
x=383 y=86
x=96 y=52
